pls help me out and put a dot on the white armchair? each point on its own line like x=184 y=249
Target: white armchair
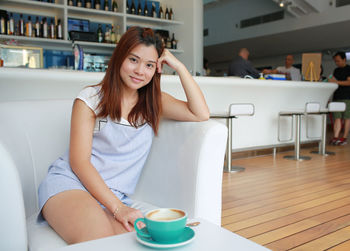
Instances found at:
x=184 y=168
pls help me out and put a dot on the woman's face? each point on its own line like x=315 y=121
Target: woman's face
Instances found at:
x=139 y=67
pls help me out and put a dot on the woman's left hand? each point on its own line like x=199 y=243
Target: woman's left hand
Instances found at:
x=168 y=58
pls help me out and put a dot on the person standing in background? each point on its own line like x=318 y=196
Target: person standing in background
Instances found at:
x=289 y=70
x=241 y=66
x=341 y=76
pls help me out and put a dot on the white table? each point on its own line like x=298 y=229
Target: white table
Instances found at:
x=208 y=237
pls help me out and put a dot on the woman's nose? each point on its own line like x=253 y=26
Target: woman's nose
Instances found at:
x=139 y=69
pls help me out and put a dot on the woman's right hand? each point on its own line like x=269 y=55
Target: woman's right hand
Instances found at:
x=127 y=215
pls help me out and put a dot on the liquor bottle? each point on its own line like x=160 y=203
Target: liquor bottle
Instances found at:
x=37 y=27
x=88 y=4
x=79 y=3
x=97 y=4
x=171 y=14
x=133 y=9
x=107 y=35
x=161 y=13
x=29 y=27
x=127 y=7
x=173 y=42
x=59 y=29
x=145 y=10
x=99 y=34
x=114 y=6
x=139 y=10
x=70 y=2
x=2 y=25
x=11 y=29
x=112 y=36
x=166 y=13
x=45 y=28
x=20 y=25
x=118 y=36
x=168 y=43
x=106 y=5
x=154 y=12
x=52 y=30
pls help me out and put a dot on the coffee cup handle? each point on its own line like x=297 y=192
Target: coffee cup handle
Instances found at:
x=141 y=233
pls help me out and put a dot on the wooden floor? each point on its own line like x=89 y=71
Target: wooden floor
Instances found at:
x=289 y=205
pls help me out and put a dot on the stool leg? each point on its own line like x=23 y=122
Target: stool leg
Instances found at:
x=322 y=146
x=229 y=168
x=296 y=155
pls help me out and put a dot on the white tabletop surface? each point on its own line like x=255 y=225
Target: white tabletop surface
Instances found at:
x=208 y=236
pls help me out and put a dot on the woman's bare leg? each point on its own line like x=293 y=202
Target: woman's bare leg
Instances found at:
x=76 y=216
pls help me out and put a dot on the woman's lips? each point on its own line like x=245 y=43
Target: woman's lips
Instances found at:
x=137 y=80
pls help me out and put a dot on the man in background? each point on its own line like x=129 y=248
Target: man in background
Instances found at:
x=289 y=70
x=341 y=76
x=240 y=66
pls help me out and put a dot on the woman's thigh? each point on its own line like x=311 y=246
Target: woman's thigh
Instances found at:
x=76 y=216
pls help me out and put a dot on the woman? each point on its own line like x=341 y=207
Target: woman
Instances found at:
x=84 y=195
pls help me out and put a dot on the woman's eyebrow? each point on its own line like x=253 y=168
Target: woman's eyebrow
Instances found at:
x=151 y=61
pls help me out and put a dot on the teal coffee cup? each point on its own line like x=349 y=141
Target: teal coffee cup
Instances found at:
x=163 y=225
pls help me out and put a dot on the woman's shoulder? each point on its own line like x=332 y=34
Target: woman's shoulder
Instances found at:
x=90 y=96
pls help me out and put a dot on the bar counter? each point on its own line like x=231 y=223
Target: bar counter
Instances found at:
x=259 y=131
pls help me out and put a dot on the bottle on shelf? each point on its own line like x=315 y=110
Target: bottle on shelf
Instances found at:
x=132 y=9
x=166 y=16
x=70 y=2
x=99 y=34
x=127 y=7
x=20 y=25
x=145 y=9
x=161 y=13
x=113 y=39
x=97 y=4
x=168 y=43
x=29 y=27
x=173 y=42
x=107 y=35
x=118 y=36
x=45 y=28
x=88 y=4
x=59 y=32
x=37 y=27
x=79 y=3
x=52 y=30
x=154 y=12
x=139 y=9
x=106 y=5
x=171 y=14
x=2 y=25
x=11 y=25
x=114 y=6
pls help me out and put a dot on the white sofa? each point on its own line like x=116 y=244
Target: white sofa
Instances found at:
x=184 y=168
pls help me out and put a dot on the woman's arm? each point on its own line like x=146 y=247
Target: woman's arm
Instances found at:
x=343 y=83
x=82 y=126
x=195 y=109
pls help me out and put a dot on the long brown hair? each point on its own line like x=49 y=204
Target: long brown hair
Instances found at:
x=148 y=106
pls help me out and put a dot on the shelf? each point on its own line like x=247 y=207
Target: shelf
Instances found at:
x=40 y=41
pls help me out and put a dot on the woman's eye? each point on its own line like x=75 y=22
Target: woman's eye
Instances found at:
x=133 y=60
x=150 y=66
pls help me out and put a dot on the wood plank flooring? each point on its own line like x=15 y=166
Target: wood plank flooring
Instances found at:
x=288 y=205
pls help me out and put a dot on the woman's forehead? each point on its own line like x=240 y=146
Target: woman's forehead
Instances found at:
x=147 y=53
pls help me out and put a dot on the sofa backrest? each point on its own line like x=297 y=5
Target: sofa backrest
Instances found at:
x=35 y=133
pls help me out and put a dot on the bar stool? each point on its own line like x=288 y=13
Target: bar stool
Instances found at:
x=332 y=107
x=235 y=110
x=310 y=108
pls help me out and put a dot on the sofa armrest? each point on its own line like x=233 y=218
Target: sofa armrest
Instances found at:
x=184 y=168
x=12 y=214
